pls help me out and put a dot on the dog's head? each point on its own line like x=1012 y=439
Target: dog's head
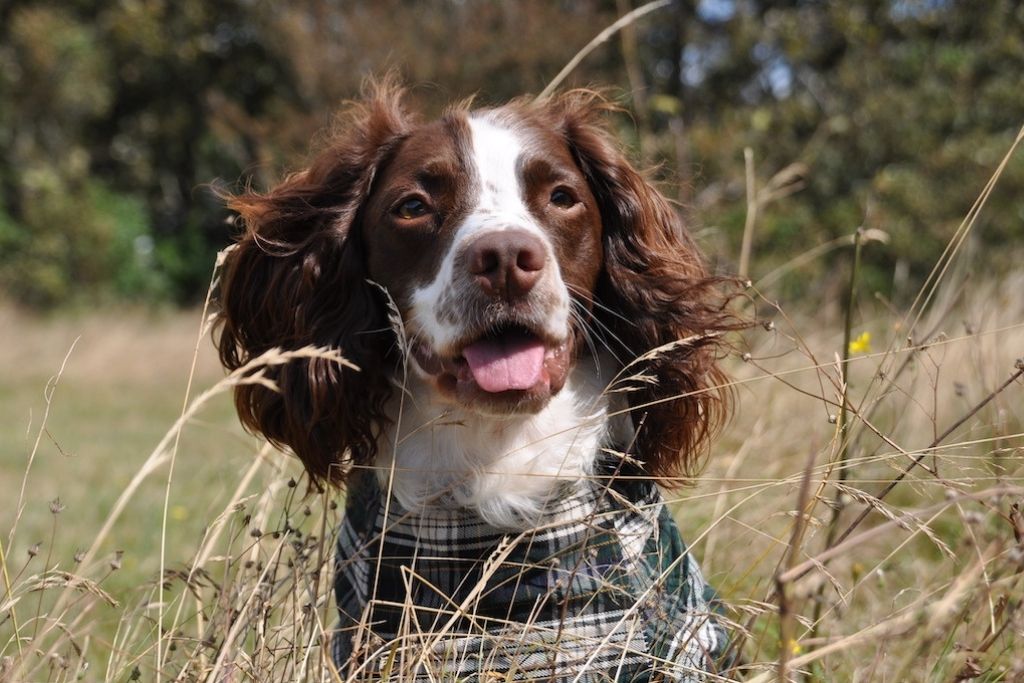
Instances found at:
x=512 y=241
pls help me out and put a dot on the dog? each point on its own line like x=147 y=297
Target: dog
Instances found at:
x=532 y=341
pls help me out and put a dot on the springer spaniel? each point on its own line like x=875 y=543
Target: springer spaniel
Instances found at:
x=535 y=338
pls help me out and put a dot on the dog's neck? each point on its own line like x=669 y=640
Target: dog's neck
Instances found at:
x=505 y=468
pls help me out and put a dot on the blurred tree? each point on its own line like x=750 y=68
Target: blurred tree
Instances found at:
x=115 y=115
x=110 y=135
x=900 y=109
x=59 y=72
x=178 y=64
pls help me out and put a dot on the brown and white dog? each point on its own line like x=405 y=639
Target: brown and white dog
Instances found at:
x=531 y=267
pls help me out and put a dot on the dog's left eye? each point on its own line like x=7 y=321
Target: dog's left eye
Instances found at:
x=562 y=198
x=413 y=207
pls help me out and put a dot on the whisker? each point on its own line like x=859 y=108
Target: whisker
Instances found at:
x=582 y=294
x=587 y=337
x=603 y=333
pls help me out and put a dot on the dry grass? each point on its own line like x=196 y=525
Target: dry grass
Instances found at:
x=926 y=588
x=203 y=561
x=889 y=600
x=156 y=542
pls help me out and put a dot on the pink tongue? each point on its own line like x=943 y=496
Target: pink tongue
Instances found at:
x=512 y=361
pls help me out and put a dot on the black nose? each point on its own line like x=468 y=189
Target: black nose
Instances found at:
x=506 y=264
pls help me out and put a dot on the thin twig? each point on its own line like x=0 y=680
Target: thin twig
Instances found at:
x=803 y=513
x=751 y=219
x=601 y=37
x=842 y=426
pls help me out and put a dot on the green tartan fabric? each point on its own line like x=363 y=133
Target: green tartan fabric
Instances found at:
x=606 y=591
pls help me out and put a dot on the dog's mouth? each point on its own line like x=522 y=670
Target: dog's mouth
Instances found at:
x=507 y=360
x=509 y=363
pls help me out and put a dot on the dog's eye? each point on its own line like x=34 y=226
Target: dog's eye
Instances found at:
x=413 y=207
x=562 y=198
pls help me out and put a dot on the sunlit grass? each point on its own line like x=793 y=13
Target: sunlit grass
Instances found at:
x=106 y=417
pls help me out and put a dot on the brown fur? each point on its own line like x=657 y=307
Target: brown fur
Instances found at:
x=299 y=274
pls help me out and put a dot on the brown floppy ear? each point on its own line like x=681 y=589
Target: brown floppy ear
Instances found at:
x=656 y=293
x=297 y=277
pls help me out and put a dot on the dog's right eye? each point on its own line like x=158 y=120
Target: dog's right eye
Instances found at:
x=413 y=207
x=562 y=198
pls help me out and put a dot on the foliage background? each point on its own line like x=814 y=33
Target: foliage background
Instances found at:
x=116 y=116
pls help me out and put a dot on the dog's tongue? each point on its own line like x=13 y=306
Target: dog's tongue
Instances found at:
x=511 y=361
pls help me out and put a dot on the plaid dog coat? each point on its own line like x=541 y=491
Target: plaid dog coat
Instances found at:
x=606 y=592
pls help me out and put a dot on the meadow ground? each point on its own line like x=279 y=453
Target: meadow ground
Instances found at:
x=121 y=388
x=928 y=587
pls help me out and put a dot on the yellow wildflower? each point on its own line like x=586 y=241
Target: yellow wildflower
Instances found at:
x=861 y=344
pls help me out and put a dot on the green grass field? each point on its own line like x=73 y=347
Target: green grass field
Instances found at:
x=122 y=387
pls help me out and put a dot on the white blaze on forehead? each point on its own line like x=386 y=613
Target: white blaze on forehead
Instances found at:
x=496 y=152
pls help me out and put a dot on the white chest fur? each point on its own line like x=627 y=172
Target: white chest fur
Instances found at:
x=504 y=468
